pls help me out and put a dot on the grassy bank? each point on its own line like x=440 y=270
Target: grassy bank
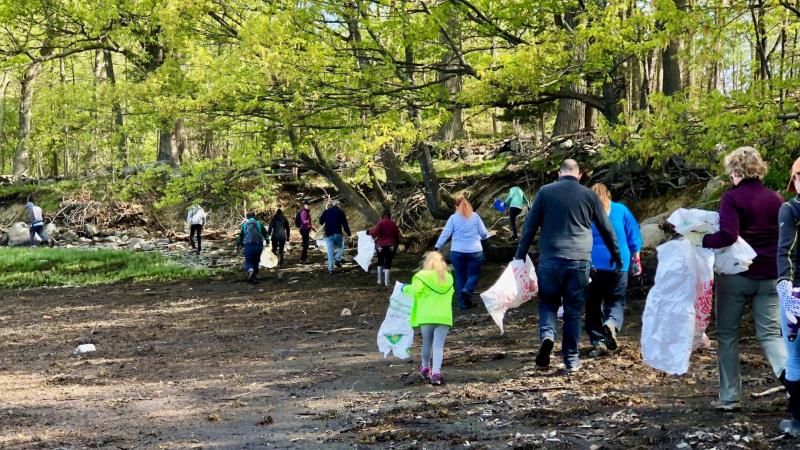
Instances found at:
x=26 y=268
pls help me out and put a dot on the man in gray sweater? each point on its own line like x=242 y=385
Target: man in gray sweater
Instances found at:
x=36 y=219
x=565 y=211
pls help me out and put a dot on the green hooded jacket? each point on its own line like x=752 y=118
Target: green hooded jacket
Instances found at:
x=433 y=298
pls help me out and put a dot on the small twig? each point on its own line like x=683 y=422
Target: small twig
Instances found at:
x=770 y=391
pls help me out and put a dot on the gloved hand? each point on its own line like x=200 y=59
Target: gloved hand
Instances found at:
x=695 y=237
x=791 y=307
x=636 y=265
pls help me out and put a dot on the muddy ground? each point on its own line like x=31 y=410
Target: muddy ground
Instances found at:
x=220 y=363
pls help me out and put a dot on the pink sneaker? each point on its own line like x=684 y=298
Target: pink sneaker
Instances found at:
x=425 y=373
x=436 y=379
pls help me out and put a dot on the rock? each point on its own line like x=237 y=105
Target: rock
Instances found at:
x=133 y=242
x=660 y=219
x=137 y=232
x=51 y=230
x=18 y=235
x=84 y=349
x=91 y=230
x=68 y=236
x=148 y=247
x=653 y=236
x=346 y=312
x=566 y=144
x=713 y=189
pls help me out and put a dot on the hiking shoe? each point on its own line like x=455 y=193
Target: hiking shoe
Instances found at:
x=791 y=427
x=251 y=275
x=599 y=349
x=543 y=357
x=724 y=405
x=570 y=370
x=425 y=373
x=436 y=379
x=610 y=332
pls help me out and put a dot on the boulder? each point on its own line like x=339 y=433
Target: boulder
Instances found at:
x=51 y=230
x=137 y=232
x=714 y=189
x=91 y=230
x=68 y=236
x=653 y=235
x=19 y=235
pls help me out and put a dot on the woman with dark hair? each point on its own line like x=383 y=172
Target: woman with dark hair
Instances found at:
x=466 y=229
x=387 y=238
x=279 y=234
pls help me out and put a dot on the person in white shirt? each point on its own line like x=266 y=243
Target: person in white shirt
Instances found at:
x=196 y=218
x=36 y=220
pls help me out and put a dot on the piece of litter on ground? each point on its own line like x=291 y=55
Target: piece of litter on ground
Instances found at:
x=84 y=349
x=682 y=444
x=346 y=312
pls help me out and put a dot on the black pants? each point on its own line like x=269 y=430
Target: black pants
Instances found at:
x=385 y=256
x=277 y=249
x=513 y=213
x=196 y=229
x=605 y=301
x=306 y=235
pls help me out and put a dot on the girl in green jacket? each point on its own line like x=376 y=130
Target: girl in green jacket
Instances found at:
x=432 y=291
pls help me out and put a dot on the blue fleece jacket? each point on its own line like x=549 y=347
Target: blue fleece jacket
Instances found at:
x=628 y=236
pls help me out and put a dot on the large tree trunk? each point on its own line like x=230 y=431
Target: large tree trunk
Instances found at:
x=116 y=107
x=571 y=116
x=431 y=181
x=171 y=144
x=670 y=64
x=22 y=156
x=320 y=165
x=6 y=80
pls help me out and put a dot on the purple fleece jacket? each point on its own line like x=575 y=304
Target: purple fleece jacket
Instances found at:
x=750 y=210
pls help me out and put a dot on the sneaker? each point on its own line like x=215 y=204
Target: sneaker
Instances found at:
x=724 y=405
x=610 y=332
x=543 y=357
x=425 y=373
x=338 y=264
x=791 y=427
x=570 y=370
x=251 y=275
x=599 y=349
x=436 y=379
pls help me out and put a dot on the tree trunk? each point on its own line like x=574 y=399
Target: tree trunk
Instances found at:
x=171 y=144
x=571 y=116
x=22 y=156
x=671 y=68
x=119 y=119
x=3 y=91
x=320 y=165
x=431 y=181
x=454 y=127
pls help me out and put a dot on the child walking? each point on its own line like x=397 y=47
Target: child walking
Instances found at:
x=432 y=291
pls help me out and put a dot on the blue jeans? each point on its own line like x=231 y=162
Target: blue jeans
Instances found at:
x=605 y=301
x=792 y=350
x=467 y=268
x=562 y=280
x=37 y=229
x=335 y=245
x=252 y=256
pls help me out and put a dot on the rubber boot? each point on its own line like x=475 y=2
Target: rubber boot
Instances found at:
x=792 y=426
x=386 y=275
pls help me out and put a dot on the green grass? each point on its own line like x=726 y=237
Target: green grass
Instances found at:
x=27 y=268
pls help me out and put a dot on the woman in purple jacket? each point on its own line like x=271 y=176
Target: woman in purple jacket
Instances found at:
x=749 y=210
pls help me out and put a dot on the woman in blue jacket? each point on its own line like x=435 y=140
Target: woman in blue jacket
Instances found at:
x=605 y=302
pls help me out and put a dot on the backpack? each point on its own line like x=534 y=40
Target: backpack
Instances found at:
x=252 y=233
x=298 y=222
x=279 y=231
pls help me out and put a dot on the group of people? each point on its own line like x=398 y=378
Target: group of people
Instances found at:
x=588 y=244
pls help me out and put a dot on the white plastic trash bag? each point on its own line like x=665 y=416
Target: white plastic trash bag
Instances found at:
x=268 y=259
x=396 y=335
x=366 y=250
x=678 y=306
x=516 y=285
x=697 y=220
x=734 y=259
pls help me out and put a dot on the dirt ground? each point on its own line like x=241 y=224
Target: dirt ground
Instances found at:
x=220 y=363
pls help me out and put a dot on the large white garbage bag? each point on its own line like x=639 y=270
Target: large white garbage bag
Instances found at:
x=322 y=245
x=516 y=285
x=699 y=220
x=396 y=335
x=668 y=319
x=268 y=259
x=734 y=259
x=366 y=250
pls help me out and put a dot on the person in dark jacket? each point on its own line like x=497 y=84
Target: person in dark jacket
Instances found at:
x=278 y=232
x=565 y=211
x=749 y=210
x=387 y=238
x=335 y=222
x=788 y=259
x=251 y=237
x=306 y=226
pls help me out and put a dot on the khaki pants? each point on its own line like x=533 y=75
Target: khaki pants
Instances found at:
x=733 y=293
